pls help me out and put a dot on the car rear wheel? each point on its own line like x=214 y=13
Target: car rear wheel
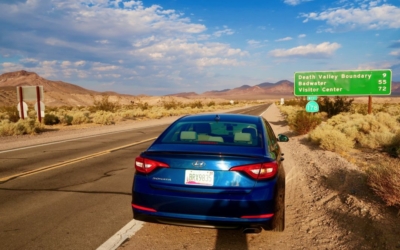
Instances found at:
x=278 y=222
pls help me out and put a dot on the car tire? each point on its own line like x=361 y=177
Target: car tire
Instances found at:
x=278 y=222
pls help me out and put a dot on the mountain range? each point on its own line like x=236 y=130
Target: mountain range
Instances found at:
x=58 y=93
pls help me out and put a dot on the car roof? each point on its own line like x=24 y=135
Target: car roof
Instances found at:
x=224 y=117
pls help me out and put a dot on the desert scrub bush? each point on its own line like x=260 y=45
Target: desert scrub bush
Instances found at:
x=304 y=122
x=330 y=139
x=298 y=101
x=143 y=106
x=51 y=119
x=211 y=104
x=196 y=104
x=9 y=113
x=32 y=114
x=172 y=104
x=21 y=127
x=369 y=131
x=80 y=117
x=103 y=117
x=394 y=147
x=290 y=112
x=104 y=105
x=334 y=106
x=66 y=119
x=384 y=180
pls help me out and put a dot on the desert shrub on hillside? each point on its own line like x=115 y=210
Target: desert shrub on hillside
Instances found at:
x=143 y=106
x=298 y=101
x=394 y=147
x=305 y=122
x=172 y=104
x=369 y=131
x=392 y=109
x=103 y=117
x=26 y=126
x=105 y=105
x=211 y=103
x=80 y=117
x=290 y=112
x=196 y=104
x=51 y=119
x=334 y=106
x=384 y=179
x=330 y=139
x=66 y=119
x=9 y=113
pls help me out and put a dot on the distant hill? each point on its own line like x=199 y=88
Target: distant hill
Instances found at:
x=266 y=88
x=56 y=93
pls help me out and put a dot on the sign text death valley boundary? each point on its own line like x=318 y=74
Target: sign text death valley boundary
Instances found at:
x=343 y=83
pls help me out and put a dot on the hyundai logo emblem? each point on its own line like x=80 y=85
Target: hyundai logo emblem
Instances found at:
x=198 y=164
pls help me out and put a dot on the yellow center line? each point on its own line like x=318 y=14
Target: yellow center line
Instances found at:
x=68 y=162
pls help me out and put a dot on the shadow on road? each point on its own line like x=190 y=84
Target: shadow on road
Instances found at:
x=231 y=239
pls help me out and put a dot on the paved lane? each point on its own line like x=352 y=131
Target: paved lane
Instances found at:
x=79 y=203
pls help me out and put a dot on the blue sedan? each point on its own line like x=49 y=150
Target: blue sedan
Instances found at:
x=213 y=170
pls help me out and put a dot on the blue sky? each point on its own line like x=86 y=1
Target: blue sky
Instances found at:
x=159 y=47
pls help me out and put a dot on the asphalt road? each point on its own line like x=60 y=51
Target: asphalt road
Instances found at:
x=71 y=195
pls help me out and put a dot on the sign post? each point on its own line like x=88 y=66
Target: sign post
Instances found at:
x=30 y=93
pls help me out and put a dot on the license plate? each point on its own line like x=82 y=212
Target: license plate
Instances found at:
x=199 y=177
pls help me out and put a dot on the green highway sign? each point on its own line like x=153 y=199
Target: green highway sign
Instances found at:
x=312 y=106
x=340 y=83
x=312 y=98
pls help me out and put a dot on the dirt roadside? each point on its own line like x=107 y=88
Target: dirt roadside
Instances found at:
x=328 y=206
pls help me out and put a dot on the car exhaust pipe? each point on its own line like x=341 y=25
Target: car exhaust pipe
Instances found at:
x=252 y=230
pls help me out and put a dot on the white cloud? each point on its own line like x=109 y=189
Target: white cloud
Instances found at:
x=321 y=50
x=253 y=42
x=295 y=2
x=369 y=16
x=98 y=67
x=395 y=52
x=302 y=35
x=224 y=32
x=80 y=63
x=284 y=39
x=102 y=39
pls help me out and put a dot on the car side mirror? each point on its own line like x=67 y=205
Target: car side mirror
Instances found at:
x=283 y=138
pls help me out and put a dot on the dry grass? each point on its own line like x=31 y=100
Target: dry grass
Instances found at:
x=106 y=112
x=384 y=179
x=356 y=132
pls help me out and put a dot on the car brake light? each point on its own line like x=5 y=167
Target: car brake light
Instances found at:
x=143 y=208
x=258 y=171
x=146 y=166
x=260 y=216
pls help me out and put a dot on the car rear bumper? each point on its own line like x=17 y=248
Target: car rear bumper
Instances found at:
x=203 y=212
x=201 y=221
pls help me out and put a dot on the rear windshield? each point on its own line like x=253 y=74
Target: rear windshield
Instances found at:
x=217 y=133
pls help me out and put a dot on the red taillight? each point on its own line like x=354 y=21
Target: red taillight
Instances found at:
x=143 y=208
x=259 y=171
x=145 y=165
x=260 y=216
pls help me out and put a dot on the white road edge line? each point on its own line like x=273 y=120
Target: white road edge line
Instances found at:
x=127 y=231
x=122 y=235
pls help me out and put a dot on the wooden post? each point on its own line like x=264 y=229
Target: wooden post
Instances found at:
x=38 y=104
x=21 y=103
x=369 y=104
